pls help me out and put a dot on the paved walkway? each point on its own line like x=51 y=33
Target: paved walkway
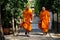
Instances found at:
x=33 y=36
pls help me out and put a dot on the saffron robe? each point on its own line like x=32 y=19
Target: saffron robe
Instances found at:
x=44 y=21
x=27 y=17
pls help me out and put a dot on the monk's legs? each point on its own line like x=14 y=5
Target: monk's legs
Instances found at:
x=45 y=31
x=27 y=33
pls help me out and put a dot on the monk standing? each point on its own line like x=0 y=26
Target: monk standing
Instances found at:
x=44 y=20
x=27 y=19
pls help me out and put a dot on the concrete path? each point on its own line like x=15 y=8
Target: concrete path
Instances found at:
x=33 y=36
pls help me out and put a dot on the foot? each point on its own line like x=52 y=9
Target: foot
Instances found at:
x=45 y=33
x=27 y=35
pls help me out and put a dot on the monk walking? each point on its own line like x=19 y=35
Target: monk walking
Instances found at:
x=27 y=19
x=44 y=20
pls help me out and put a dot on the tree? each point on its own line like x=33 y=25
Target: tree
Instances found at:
x=36 y=7
x=1 y=29
x=11 y=12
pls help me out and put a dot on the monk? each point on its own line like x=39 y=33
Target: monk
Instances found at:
x=44 y=20
x=27 y=19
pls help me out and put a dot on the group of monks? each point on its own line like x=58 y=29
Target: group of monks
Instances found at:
x=43 y=24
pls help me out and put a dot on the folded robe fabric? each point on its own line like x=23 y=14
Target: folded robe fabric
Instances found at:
x=26 y=26
x=27 y=16
x=44 y=21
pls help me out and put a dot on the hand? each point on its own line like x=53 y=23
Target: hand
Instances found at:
x=30 y=21
x=49 y=20
x=40 y=22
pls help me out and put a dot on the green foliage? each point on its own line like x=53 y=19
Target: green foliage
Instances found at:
x=12 y=8
x=49 y=4
x=36 y=6
x=1 y=1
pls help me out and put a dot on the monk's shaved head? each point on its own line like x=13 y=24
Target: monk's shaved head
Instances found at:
x=43 y=8
x=27 y=7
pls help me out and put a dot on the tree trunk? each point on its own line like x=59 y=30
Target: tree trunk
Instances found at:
x=1 y=29
x=13 y=28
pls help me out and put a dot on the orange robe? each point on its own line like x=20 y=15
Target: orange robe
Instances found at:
x=44 y=21
x=27 y=16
